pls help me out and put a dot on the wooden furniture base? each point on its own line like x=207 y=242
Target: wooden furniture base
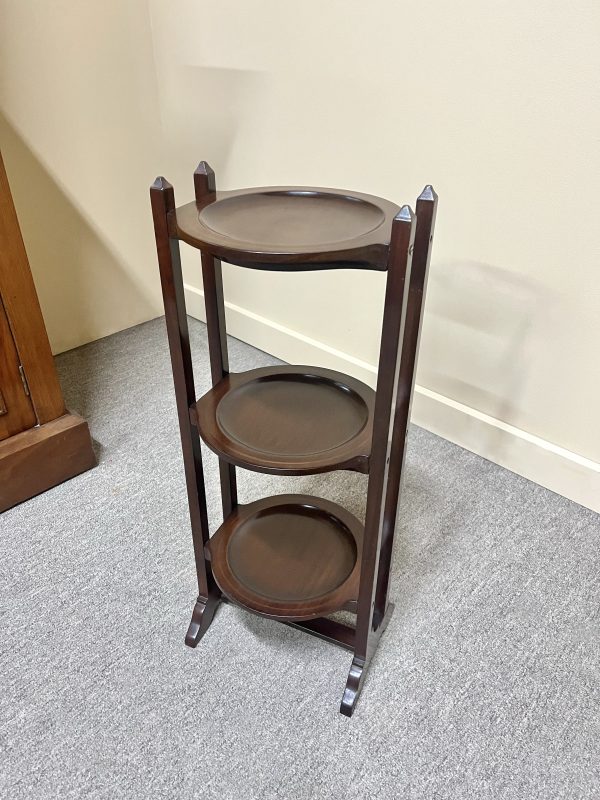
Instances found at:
x=42 y=457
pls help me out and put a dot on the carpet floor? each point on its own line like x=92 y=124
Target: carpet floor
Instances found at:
x=485 y=685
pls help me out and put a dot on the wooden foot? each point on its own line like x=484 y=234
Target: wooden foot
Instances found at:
x=359 y=667
x=202 y=616
x=354 y=684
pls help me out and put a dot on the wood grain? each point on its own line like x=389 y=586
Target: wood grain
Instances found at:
x=16 y=410
x=24 y=314
x=291 y=557
x=289 y=228
x=289 y=420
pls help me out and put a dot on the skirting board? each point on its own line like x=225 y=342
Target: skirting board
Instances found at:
x=560 y=470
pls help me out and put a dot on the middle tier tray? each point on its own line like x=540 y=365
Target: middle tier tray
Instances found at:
x=289 y=420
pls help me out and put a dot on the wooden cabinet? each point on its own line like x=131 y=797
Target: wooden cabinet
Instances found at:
x=16 y=408
x=41 y=444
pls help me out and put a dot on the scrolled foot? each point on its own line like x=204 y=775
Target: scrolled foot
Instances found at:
x=353 y=686
x=202 y=616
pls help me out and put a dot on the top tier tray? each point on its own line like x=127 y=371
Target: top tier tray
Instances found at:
x=291 y=228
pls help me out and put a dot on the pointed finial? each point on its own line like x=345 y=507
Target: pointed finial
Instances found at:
x=204 y=180
x=405 y=214
x=162 y=184
x=428 y=193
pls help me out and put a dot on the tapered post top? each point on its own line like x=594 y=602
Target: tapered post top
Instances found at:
x=405 y=214
x=162 y=192
x=403 y=226
x=428 y=194
x=204 y=181
x=426 y=212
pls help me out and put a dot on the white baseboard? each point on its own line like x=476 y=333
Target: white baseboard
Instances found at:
x=560 y=470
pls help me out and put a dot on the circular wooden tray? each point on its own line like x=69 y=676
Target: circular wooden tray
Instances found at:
x=289 y=420
x=299 y=226
x=293 y=556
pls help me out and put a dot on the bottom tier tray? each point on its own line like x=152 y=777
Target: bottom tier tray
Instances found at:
x=292 y=557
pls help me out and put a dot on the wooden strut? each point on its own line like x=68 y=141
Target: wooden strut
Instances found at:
x=212 y=280
x=407 y=267
x=163 y=202
x=409 y=256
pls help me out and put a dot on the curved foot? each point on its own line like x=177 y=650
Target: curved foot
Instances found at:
x=358 y=670
x=202 y=616
x=354 y=684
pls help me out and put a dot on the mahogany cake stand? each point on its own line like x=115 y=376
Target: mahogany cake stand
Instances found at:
x=296 y=558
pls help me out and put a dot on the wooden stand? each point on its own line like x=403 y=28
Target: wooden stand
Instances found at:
x=41 y=444
x=296 y=558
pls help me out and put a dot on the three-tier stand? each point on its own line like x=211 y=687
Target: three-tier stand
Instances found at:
x=296 y=558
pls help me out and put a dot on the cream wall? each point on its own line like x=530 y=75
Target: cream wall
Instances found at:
x=496 y=104
x=80 y=133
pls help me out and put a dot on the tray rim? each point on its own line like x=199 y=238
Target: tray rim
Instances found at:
x=367 y=250
x=232 y=588
x=353 y=454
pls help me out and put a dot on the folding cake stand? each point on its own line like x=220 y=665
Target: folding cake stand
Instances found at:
x=296 y=558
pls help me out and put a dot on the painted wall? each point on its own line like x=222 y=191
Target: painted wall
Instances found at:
x=496 y=104
x=80 y=133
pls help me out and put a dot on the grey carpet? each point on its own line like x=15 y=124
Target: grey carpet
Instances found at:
x=485 y=684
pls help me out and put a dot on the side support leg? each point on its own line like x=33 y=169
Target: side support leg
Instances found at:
x=369 y=626
x=167 y=244
x=407 y=282
x=426 y=211
x=202 y=616
x=212 y=280
x=359 y=666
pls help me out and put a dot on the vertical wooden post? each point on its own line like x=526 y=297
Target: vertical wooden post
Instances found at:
x=426 y=211
x=212 y=279
x=163 y=202
x=368 y=629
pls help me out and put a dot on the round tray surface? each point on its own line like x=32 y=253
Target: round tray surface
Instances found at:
x=279 y=553
x=292 y=415
x=292 y=218
x=289 y=556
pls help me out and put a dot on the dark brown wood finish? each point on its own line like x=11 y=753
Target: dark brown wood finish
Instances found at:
x=212 y=280
x=289 y=420
x=290 y=228
x=401 y=247
x=410 y=254
x=163 y=201
x=325 y=628
x=426 y=211
x=296 y=558
x=330 y=630
x=293 y=557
